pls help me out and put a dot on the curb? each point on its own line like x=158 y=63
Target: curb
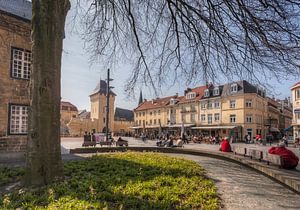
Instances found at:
x=288 y=178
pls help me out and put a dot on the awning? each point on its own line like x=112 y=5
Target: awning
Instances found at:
x=273 y=129
x=290 y=128
x=135 y=127
x=297 y=111
x=180 y=125
x=214 y=127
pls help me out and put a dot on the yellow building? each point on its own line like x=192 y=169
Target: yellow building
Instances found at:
x=234 y=109
x=296 y=109
x=98 y=106
x=67 y=111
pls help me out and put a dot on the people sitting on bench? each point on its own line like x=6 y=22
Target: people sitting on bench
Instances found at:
x=225 y=146
x=290 y=160
x=179 y=143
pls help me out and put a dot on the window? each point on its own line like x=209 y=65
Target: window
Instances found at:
x=192 y=118
x=143 y=122
x=203 y=105
x=233 y=88
x=232 y=104
x=216 y=91
x=150 y=122
x=21 y=63
x=248 y=103
x=232 y=118
x=193 y=108
x=209 y=105
x=143 y=113
x=248 y=118
x=18 y=119
x=103 y=119
x=217 y=117
x=158 y=112
x=150 y=113
x=209 y=118
x=297 y=94
x=154 y=122
x=206 y=93
x=184 y=119
x=136 y=122
x=140 y=122
x=140 y=114
x=191 y=95
x=203 y=117
x=217 y=104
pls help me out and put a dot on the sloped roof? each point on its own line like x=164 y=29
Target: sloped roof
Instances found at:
x=123 y=114
x=243 y=87
x=155 y=103
x=84 y=114
x=68 y=104
x=101 y=88
x=199 y=94
x=295 y=85
x=18 y=8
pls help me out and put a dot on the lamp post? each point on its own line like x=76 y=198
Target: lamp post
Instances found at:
x=107 y=103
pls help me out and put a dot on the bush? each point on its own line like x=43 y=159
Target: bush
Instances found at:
x=123 y=181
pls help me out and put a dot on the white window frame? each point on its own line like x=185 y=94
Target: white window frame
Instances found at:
x=209 y=118
x=18 y=119
x=193 y=118
x=206 y=93
x=232 y=118
x=233 y=88
x=297 y=94
x=203 y=118
x=217 y=117
x=21 y=63
x=216 y=91
x=209 y=105
x=217 y=104
x=232 y=104
x=203 y=105
x=248 y=118
x=248 y=103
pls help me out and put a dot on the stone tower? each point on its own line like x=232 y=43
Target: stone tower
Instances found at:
x=98 y=106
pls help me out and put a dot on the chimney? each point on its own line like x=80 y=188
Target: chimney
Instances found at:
x=176 y=95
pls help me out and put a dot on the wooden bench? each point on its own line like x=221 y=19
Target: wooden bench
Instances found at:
x=274 y=159
x=89 y=143
x=108 y=143
x=256 y=154
x=239 y=150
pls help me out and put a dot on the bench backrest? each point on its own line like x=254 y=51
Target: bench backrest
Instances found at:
x=253 y=153
x=239 y=150
x=274 y=159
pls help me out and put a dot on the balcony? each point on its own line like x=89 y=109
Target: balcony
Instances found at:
x=296 y=122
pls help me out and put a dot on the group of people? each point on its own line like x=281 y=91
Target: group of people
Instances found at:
x=89 y=136
x=290 y=160
x=172 y=141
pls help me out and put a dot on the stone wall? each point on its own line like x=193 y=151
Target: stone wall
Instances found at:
x=78 y=126
x=13 y=33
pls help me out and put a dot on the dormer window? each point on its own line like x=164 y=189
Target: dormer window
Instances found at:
x=216 y=91
x=173 y=101
x=206 y=93
x=191 y=95
x=234 y=88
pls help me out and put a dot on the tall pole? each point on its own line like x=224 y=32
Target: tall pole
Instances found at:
x=107 y=105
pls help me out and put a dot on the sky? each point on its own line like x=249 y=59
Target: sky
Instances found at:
x=80 y=77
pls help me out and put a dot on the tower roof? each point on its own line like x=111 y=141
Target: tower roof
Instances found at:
x=101 y=88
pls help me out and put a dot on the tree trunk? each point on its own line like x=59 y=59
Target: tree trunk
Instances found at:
x=43 y=158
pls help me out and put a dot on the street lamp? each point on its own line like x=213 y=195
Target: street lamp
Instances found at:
x=107 y=102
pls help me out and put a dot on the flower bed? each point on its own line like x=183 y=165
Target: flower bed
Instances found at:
x=123 y=181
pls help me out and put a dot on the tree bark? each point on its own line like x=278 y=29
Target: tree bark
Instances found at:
x=43 y=157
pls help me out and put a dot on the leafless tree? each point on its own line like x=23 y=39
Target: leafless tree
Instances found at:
x=195 y=40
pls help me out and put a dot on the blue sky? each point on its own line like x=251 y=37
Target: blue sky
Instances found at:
x=79 y=77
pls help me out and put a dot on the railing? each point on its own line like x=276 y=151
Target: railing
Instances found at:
x=297 y=121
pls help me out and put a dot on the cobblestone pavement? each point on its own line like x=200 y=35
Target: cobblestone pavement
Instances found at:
x=241 y=188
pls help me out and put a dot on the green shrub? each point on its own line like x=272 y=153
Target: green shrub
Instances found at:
x=123 y=181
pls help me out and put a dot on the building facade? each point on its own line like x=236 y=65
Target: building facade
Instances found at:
x=235 y=109
x=15 y=67
x=296 y=109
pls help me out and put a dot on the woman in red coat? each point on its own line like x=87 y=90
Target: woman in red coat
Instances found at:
x=290 y=160
x=225 y=146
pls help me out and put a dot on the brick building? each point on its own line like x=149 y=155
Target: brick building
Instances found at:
x=15 y=66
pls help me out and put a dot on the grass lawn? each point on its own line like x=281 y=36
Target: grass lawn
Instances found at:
x=123 y=181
